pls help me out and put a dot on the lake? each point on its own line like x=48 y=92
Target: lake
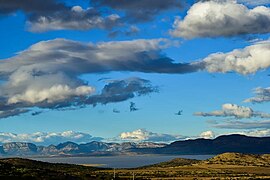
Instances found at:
x=120 y=161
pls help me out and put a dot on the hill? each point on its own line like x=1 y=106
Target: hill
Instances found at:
x=226 y=159
x=219 y=145
x=240 y=159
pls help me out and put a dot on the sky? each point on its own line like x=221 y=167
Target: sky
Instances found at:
x=145 y=70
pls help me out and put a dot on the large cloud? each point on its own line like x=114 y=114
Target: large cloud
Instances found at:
x=77 y=58
x=140 y=10
x=144 y=135
x=42 y=138
x=47 y=74
x=233 y=110
x=53 y=15
x=244 y=61
x=262 y=95
x=222 y=18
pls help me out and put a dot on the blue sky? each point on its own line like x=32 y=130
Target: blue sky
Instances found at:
x=216 y=80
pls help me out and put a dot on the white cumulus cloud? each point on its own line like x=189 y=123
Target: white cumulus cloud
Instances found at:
x=244 y=61
x=144 y=135
x=217 y=18
x=207 y=135
x=52 y=94
x=233 y=110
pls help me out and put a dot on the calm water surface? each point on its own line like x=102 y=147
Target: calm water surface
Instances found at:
x=120 y=161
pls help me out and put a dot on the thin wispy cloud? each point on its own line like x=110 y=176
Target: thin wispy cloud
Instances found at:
x=256 y=133
x=131 y=31
x=255 y=2
x=262 y=124
x=5 y=113
x=252 y=133
x=261 y=95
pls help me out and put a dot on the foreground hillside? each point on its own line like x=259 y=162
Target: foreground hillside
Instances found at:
x=227 y=165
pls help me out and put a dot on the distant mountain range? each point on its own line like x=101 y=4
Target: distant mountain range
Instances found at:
x=74 y=149
x=222 y=144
